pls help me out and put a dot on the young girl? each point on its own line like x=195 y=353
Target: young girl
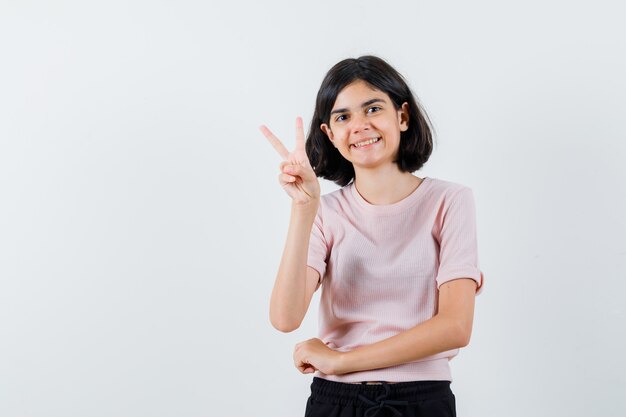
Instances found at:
x=395 y=254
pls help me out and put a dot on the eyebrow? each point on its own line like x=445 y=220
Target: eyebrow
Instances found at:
x=365 y=104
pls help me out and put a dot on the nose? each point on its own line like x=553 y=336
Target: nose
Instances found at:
x=359 y=123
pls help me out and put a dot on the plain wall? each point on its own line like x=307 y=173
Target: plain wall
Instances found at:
x=142 y=224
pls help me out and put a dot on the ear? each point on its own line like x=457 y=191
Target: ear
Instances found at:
x=326 y=129
x=404 y=115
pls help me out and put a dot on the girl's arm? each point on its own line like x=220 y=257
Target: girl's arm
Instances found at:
x=449 y=329
x=295 y=282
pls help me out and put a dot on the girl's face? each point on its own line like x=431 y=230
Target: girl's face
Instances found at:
x=365 y=126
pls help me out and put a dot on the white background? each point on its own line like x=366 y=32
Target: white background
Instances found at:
x=141 y=221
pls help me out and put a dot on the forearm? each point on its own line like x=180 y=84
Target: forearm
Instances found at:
x=438 y=334
x=287 y=305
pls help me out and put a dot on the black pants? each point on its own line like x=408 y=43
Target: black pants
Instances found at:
x=418 y=398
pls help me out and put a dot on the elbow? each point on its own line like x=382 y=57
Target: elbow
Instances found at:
x=285 y=318
x=464 y=333
x=458 y=332
x=464 y=341
x=283 y=325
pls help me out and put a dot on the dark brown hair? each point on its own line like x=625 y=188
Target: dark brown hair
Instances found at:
x=416 y=143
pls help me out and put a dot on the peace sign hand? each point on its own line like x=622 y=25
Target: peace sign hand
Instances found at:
x=297 y=176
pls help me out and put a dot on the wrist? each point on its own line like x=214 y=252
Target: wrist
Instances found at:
x=343 y=363
x=309 y=208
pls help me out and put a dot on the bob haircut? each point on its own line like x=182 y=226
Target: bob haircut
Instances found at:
x=416 y=143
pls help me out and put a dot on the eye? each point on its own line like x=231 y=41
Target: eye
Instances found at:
x=341 y=118
x=374 y=109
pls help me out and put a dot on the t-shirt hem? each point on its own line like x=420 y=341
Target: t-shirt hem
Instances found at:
x=413 y=371
x=404 y=378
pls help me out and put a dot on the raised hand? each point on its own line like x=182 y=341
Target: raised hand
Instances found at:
x=297 y=176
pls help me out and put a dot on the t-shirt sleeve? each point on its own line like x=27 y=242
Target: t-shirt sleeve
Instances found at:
x=458 y=246
x=318 y=248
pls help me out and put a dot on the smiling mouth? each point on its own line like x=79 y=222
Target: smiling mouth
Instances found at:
x=365 y=143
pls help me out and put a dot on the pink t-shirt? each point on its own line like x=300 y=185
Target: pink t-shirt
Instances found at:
x=382 y=265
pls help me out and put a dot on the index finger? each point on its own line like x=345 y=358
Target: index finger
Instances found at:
x=276 y=143
x=299 y=134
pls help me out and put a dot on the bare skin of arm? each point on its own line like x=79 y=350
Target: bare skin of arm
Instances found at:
x=295 y=281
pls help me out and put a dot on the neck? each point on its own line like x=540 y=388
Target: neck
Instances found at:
x=385 y=185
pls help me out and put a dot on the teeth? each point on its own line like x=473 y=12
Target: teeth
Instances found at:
x=367 y=142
